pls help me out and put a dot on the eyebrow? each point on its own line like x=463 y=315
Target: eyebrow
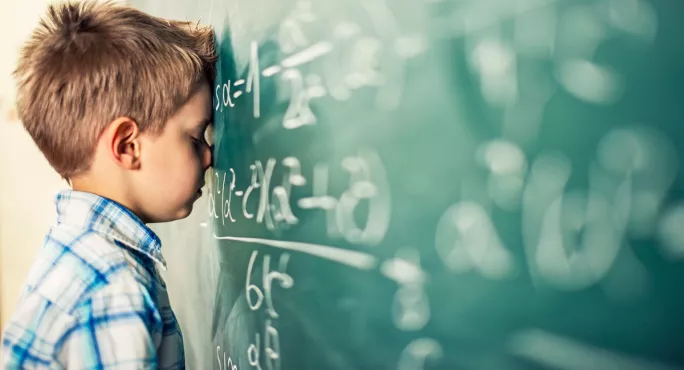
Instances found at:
x=203 y=123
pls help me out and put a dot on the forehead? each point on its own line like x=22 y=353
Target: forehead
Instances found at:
x=196 y=110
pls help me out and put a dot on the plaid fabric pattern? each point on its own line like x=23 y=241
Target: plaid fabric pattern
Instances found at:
x=94 y=298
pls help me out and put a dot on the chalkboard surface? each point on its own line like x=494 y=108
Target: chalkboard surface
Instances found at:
x=437 y=184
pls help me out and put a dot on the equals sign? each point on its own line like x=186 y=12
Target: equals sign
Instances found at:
x=236 y=84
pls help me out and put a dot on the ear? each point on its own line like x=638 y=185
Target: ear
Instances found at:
x=122 y=138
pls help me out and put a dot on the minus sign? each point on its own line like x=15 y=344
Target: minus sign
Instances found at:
x=239 y=82
x=270 y=71
x=237 y=94
x=239 y=193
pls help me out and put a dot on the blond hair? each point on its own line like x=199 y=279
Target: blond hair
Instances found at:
x=87 y=63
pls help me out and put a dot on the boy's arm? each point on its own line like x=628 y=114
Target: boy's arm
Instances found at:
x=115 y=329
x=30 y=336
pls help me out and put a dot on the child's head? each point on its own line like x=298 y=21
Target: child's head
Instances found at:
x=117 y=101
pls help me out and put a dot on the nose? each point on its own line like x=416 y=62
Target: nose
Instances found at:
x=207 y=156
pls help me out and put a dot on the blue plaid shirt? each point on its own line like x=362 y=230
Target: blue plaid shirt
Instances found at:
x=94 y=298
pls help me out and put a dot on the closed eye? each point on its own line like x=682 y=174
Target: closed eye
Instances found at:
x=197 y=142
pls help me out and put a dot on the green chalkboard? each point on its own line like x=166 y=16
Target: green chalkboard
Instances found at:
x=437 y=184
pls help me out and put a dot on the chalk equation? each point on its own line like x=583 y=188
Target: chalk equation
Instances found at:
x=410 y=309
x=258 y=297
x=224 y=365
x=352 y=57
x=268 y=201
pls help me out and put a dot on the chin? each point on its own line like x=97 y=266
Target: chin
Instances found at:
x=178 y=215
x=184 y=213
x=181 y=211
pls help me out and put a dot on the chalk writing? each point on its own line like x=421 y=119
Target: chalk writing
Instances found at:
x=225 y=365
x=275 y=209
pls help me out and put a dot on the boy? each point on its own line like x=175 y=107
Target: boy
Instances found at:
x=118 y=102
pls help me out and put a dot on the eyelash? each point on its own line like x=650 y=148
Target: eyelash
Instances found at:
x=197 y=142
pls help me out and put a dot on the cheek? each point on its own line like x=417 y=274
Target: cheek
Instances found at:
x=185 y=169
x=176 y=171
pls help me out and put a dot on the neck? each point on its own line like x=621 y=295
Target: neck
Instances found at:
x=107 y=189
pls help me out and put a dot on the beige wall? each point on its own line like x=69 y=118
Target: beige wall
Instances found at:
x=27 y=183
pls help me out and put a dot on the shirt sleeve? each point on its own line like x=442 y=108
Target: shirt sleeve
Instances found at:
x=118 y=327
x=29 y=339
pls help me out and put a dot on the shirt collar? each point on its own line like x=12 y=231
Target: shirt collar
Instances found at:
x=94 y=212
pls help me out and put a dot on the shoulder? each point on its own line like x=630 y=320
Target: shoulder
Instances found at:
x=75 y=265
x=117 y=324
x=81 y=287
x=118 y=304
x=33 y=333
